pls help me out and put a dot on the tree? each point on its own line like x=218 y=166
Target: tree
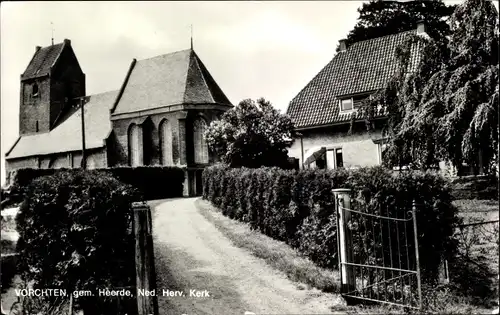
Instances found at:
x=447 y=110
x=252 y=134
x=379 y=18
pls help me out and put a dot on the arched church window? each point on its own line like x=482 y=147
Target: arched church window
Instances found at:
x=134 y=134
x=166 y=143
x=200 y=144
x=34 y=91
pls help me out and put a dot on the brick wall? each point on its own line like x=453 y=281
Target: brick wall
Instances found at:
x=67 y=81
x=34 y=109
x=358 y=149
x=28 y=162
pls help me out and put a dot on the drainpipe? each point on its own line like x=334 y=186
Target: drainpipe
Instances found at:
x=301 y=148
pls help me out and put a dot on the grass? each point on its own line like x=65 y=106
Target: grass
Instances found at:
x=277 y=254
x=477 y=206
x=477 y=273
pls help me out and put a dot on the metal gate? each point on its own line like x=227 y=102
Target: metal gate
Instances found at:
x=378 y=253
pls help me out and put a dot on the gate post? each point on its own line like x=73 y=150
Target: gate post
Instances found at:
x=342 y=202
x=147 y=303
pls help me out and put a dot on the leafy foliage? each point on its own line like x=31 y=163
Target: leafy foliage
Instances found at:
x=75 y=232
x=154 y=182
x=445 y=108
x=298 y=207
x=379 y=18
x=252 y=134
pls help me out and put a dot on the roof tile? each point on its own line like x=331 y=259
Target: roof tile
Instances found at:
x=171 y=79
x=364 y=67
x=42 y=61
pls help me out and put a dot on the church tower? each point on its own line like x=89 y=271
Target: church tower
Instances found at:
x=49 y=86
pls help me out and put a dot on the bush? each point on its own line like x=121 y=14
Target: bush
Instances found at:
x=75 y=231
x=298 y=207
x=154 y=182
x=8 y=271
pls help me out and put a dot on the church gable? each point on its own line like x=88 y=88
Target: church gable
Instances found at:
x=178 y=78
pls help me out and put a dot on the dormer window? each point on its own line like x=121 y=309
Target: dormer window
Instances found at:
x=352 y=103
x=346 y=105
x=34 y=91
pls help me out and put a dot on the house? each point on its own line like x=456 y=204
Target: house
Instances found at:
x=157 y=117
x=322 y=110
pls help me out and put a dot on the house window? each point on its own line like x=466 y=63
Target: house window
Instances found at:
x=381 y=149
x=346 y=104
x=339 y=159
x=334 y=158
x=352 y=103
x=200 y=144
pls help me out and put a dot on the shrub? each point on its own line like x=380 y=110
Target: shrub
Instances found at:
x=8 y=268
x=154 y=182
x=75 y=233
x=298 y=207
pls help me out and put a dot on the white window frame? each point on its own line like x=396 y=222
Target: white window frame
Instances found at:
x=380 y=147
x=346 y=110
x=370 y=96
x=334 y=150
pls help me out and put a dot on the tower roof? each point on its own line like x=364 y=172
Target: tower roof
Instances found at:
x=172 y=79
x=43 y=60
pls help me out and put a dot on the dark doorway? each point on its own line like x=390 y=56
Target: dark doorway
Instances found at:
x=199 y=183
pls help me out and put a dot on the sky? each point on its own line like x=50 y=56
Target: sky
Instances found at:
x=252 y=48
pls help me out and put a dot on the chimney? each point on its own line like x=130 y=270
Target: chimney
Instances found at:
x=420 y=27
x=342 y=44
x=67 y=41
x=37 y=48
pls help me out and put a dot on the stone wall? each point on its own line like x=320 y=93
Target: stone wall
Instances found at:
x=96 y=158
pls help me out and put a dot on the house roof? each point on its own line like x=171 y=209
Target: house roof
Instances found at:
x=171 y=79
x=363 y=67
x=42 y=62
x=67 y=135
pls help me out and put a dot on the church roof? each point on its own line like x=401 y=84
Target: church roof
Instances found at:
x=67 y=135
x=363 y=67
x=171 y=79
x=43 y=60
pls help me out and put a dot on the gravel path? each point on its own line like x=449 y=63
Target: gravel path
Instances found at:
x=191 y=254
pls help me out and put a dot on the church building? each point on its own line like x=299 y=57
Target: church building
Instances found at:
x=157 y=117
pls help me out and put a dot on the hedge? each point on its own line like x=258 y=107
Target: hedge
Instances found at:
x=297 y=207
x=154 y=182
x=75 y=231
